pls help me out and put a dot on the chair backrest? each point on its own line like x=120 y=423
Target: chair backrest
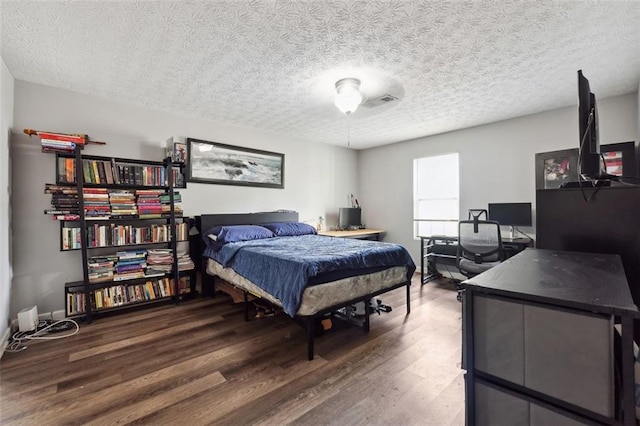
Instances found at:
x=480 y=241
x=476 y=213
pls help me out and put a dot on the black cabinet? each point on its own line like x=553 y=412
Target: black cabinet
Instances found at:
x=539 y=341
x=608 y=223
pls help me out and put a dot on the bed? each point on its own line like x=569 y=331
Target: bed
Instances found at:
x=307 y=275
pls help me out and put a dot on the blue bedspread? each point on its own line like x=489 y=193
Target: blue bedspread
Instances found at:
x=282 y=266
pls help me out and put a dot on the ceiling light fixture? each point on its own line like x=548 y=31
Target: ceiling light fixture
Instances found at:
x=348 y=95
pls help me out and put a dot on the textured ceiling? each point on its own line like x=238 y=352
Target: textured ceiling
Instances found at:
x=272 y=65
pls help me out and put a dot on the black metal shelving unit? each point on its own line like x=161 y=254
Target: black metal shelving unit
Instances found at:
x=87 y=287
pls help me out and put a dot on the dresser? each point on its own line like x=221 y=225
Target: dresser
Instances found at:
x=538 y=345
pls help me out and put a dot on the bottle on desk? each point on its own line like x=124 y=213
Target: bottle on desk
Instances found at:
x=320 y=223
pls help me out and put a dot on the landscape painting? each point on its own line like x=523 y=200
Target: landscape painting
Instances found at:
x=212 y=162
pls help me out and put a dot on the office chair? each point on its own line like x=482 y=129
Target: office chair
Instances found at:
x=479 y=246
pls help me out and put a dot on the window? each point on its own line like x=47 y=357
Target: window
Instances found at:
x=436 y=190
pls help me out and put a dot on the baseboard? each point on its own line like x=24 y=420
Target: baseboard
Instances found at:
x=5 y=341
x=54 y=316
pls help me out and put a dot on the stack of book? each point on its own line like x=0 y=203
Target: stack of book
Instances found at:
x=159 y=261
x=53 y=142
x=165 y=200
x=184 y=262
x=96 y=203
x=123 y=204
x=101 y=268
x=130 y=264
x=149 y=206
x=64 y=202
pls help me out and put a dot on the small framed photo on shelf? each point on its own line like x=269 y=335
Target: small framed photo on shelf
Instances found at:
x=555 y=168
x=177 y=149
x=620 y=159
x=217 y=163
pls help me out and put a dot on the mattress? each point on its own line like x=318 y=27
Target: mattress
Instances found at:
x=285 y=266
x=321 y=296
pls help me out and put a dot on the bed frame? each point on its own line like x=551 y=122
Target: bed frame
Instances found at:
x=204 y=222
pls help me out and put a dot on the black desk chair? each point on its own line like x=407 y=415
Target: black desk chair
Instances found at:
x=479 y=246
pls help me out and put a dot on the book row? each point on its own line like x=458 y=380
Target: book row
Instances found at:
x=122 y=294
x=122 y=235
x=112 y=172
x=113 y=235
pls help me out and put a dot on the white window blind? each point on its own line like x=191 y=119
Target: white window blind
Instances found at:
x=436 y=190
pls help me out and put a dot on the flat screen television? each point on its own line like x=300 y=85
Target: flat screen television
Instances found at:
x=350 y=218
x=590 y=163
x=511 y=214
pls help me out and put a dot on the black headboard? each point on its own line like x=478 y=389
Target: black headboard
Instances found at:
x=207 y=221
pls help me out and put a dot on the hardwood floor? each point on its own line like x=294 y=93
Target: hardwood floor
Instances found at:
x=201 y=363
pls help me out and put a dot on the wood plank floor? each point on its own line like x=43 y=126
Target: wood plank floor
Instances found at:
x=201 y=363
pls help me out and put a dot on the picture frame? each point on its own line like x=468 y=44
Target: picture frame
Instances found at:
x=218 y=163
x=176 y=149
x=555 y=168
x=620 y=159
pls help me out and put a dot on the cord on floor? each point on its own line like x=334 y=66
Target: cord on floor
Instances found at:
x=20 y=339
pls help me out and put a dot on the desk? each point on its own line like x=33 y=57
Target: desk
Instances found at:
x=444 y=249
x=363 y=234
x=538 y=333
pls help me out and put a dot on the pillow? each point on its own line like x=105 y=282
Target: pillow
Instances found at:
x=218 y=236
x=290 y=229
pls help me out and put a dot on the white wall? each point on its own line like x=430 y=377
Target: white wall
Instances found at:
x=496 y=163
x=6 y=123
x=317 y=177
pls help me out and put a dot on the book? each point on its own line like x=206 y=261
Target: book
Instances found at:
x=55 y=143
x=62 y=137
x=61 y=212
x=108 y=172
x=68 y=217
x=101 y=172
x=96 y=173
x=70 y=170
x=56 y=149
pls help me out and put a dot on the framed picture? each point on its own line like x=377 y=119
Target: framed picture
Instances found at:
x=556 y=168
x=212 y=162
x=176 y=149
x=620 y=159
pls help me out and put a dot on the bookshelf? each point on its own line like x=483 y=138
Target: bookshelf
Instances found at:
x=123 y=216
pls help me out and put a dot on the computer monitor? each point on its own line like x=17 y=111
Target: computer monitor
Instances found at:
x=350 y=218
x=511 y=214
x=590 y=163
